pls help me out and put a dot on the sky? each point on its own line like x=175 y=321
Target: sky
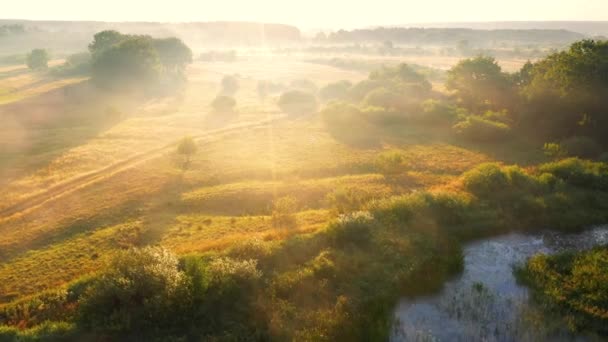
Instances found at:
x=309 y=13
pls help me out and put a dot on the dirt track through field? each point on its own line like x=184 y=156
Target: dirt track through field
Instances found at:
x=95 y=176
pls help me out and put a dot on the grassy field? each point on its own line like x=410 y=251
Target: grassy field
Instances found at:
x=59 y=130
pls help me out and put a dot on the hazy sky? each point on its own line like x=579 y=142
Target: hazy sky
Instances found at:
x=309 y=13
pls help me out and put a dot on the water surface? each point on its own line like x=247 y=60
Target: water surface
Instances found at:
x=485 y=303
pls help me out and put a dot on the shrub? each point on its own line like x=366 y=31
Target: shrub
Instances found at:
x=335 y=91
x=355 y=229
x=252 y=249
x=224 y=272
x=297 y=103
x=390 y=162
x=76 y=64
x=582 y=147
x=382 y=116
x=476 y=128
x=283 y=212
x=223 y=104
x=135 y=295
x=583 y=173
x=486 y=180
x=400 y=209
x=436 y=112
x=382 y=97
x=359 y=90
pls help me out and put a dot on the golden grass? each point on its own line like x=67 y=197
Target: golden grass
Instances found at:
x=56 y=264
x=257 y=196
x=199 y=233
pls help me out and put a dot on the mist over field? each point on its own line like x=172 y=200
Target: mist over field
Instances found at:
x=261 y=172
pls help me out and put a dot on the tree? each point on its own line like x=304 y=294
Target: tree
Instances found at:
x=567 y=93
x=223 y=104
x=173 y=54
x=132 y=62
x=480 y=84
x=37 y=59
x=104 y=40
x=186 y=148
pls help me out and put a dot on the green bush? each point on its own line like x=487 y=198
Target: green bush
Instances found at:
x=297 y=102
x=390 y=100
x=355 y=228
x=476 y=128
x=136 y=295
x=391 y=163
x=577 y=172
x=76 y=64
x=436 y=112
x=486 y=180
x=252 y=249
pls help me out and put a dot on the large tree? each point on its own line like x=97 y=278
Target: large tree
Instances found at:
x=104 y=40
x=132 y=62
x=480 y=84
x=173 y=54
x=567 y=92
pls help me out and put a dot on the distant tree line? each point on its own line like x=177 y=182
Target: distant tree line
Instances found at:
x=450 y=36
x=11 y=29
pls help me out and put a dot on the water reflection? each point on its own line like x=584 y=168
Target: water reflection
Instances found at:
x=485 y=303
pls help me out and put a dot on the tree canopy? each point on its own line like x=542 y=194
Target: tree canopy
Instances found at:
x=121 y=59
x=37 y=59
x=480 y=84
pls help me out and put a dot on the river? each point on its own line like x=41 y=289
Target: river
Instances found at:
x=484 y=302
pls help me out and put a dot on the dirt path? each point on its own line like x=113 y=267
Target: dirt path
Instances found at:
x=95 y=176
